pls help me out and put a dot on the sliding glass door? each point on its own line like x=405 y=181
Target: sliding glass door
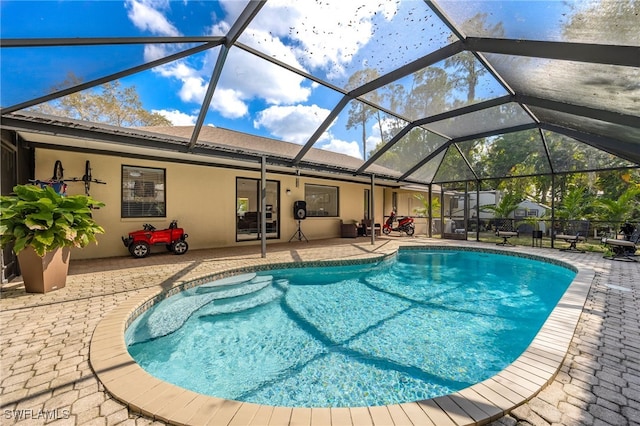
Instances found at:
x=248 y=211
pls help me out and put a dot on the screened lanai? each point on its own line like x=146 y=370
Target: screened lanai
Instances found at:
x=433 y=91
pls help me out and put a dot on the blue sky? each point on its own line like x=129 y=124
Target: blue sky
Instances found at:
x=253 y=96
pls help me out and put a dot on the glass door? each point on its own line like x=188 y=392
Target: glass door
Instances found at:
x=248 y=214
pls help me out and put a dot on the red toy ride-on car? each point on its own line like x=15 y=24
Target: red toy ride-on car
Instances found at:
x=139 y=242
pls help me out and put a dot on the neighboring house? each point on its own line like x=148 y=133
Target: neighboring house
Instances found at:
x=454 y=208
x=530 y=209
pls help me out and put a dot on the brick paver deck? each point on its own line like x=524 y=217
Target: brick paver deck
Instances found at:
x=46 y=376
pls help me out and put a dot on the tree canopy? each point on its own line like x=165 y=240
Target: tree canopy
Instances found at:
x=110 y=103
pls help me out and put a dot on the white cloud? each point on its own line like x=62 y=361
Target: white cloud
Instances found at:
x=373 y=135
x=245 y=77
x=228 y=102
x=291 y=123
x=372 y=142
x=177 y=118
x=146 y=17
x=325 y=36
x=193 y=89
x=154 y=51
x=343 y=147
x=193 y=86
x=254 y=78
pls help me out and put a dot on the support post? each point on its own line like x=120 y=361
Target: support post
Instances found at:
x=263 y=206
x=478 y=211
x=430 y=212
x=372 y=211
x=553 y=210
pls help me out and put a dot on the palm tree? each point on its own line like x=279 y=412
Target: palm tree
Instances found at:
x=575 y=204
x=507 y=204
x=619 y=210
x=573 y=208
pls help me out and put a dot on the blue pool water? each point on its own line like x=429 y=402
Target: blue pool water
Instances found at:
x=419 y=325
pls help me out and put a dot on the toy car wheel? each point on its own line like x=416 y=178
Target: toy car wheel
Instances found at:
x=180 y=247
x=140 y=249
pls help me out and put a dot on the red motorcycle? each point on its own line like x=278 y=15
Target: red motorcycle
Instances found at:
x=405 y=224
x=139 y=242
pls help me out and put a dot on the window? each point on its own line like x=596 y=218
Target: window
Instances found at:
x=322 y=201
x=520 y=213
x=143 y=192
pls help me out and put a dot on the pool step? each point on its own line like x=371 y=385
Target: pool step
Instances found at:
x=241 y=302
x=171 y=313
x=167 y=316
x=223 y=283
x=224 y=291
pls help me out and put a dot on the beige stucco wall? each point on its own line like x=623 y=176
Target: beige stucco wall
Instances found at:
x=201 y=198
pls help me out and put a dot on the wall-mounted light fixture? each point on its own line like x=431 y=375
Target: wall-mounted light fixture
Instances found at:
x=288 y=192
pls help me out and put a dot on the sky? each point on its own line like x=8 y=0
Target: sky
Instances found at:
x=330 y=42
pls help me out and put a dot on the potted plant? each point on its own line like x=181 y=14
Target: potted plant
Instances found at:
x=42 y=226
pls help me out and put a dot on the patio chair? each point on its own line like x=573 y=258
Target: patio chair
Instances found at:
x=623 y=249
x=572 y=240
x=506 y=235
x=348 y=230
x=366 y=223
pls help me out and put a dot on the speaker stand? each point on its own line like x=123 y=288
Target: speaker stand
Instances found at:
x=298 y=234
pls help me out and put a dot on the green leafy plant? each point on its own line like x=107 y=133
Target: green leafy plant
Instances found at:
x=45 y=220
x=618 y=210
x=423 y=211
x=575 y=204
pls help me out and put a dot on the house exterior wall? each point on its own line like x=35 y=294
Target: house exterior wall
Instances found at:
x=528 y=205
x=201 y=198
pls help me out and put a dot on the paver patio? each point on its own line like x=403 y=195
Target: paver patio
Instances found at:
x=46 y=377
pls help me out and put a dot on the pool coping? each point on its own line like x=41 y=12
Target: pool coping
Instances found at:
x=478 y=404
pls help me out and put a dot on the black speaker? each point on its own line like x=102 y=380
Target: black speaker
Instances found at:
x=299 y=210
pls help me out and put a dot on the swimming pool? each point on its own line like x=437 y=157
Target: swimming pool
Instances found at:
x=421 y=324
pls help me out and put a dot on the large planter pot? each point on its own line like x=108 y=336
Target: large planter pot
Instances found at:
x=42 y=274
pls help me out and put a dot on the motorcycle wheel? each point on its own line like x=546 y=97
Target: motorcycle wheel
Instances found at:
x=410 y=230
x=180 y=247
x=386 y=231
x=140 y=249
